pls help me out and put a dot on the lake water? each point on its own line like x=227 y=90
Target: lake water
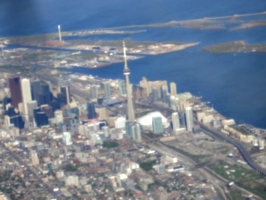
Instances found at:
x=233 y=83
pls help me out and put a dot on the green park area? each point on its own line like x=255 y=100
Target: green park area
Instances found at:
x=235 y=194
x=245 y=178
x=196 y=157
x=110 y=144
x=147 y=166
x=14 y=68
x=70 y=168
x=241 y=130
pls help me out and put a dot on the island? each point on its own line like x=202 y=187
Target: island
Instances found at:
x=235 y=46
x=72 y=49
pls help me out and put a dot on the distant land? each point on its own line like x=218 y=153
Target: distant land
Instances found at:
x=235 y=46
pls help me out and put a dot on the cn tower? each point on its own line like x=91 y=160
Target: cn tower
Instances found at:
x=130 y=109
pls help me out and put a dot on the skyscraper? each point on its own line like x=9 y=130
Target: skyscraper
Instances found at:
x=154 y=95
x=175 y=121
x=35 y=89
x=94 y=91
x=67 y=138
x=107 y=90
x=58 y=114
x=157 y=125
x=130 y=109
x=133 y=131
x=15 y=91
x=65 y=90
x=26 y=95
x=31 y=105
x=173 y=88
x=164 y=92
x=91 y=110
x=189 y=118
x=122 y=87
x=137 y=133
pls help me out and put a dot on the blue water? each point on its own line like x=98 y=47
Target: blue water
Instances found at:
x=234 y=84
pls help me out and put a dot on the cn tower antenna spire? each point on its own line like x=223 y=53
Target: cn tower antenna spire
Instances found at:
x=126 y=71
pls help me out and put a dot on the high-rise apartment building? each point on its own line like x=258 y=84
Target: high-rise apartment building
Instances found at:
x=94 y=91
x=175 y=121
x=15 y=91
x=122 y=87
x=189 y=118
x=164 y=92
x=154 y=95
x=157 y=125
x=148 y=85
x=133 y=131
x=173 y=90
x=107 y=89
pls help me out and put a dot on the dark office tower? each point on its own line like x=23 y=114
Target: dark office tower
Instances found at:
x=35 y=89
x=66 y=92
x=100 y=100
x=6 y=101
x=91 y=110
x=61 y=100
x=41 y=119
x=17 y=121
x=48 y=111
x=54 y=104
x=41 y=92
x=15 y=91
x=154 y=94
x=35 y=111
x=46 y=94
x=10 y=111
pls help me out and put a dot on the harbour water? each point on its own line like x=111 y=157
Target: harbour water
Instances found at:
x=234 y=83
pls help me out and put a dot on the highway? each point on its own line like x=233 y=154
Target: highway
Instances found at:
x=240 y=148
x=165 y=150
x=217 y=134
x=218 y=181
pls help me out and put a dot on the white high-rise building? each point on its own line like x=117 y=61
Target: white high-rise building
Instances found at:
x=26 y=94
x=176 y=122
x=173 y=88
x=67 y=138
x=58 y=115
x=120 y=122
x=31 y=105
x=189 y=118
x=34 y=158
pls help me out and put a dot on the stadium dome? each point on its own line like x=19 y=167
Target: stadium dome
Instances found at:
x=146 y=120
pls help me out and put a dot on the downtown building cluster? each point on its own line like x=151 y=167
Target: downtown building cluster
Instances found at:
x=82 y=136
